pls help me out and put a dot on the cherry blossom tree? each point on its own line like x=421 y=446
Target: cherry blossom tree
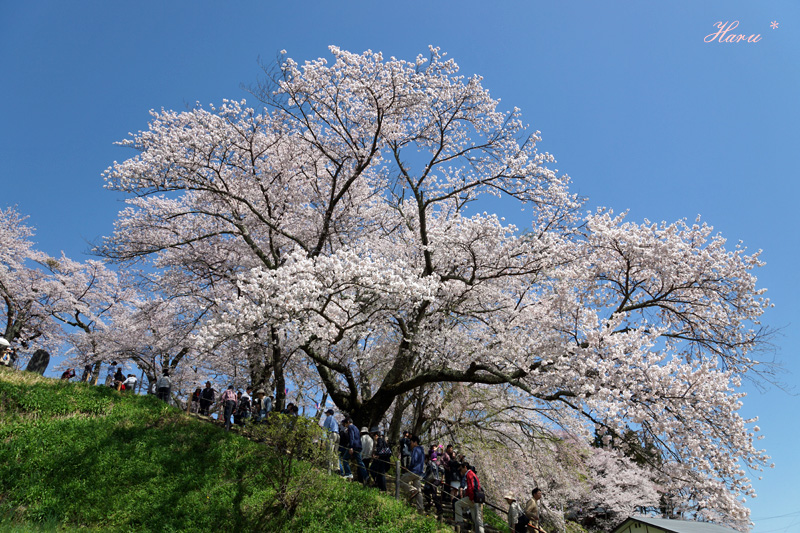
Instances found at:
x=25 y=320
x=82 y=297
x=338 y=229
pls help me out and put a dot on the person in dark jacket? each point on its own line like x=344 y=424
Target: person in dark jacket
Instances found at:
x=411 y=480
x=354 y=451
x=344 y=450
x=381 y=453
x=119 y=377
x=206 y=398
x=432 y=479
x=405 y=449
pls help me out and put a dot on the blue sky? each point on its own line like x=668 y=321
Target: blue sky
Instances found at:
x=639 y=110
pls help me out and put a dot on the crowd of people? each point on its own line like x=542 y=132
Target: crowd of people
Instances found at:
x=236 y=407
x=429 y=479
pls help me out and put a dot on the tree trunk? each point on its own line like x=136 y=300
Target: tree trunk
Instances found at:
x=277 y=368
x=96 y=371
x=396 y=426
x=321 y=410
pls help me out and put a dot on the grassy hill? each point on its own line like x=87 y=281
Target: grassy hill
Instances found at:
x=73 y=456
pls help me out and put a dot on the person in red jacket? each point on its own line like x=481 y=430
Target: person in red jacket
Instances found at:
x=467 y=501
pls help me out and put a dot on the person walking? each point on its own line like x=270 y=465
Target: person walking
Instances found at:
x=367 y=444
x=229 y=405
x=467 y=500
x=206 y=398
x=245 y=406
x=354 y=451
x=405 y=449
x=112 y=369
x=194 y=401
x=411 y=480
x=532 y=511
x=517 y=519
x=163 y=386
x=332 y=439
x=381 y=454
x=432 y=479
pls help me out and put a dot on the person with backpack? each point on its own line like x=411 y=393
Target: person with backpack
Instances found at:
x=432 y=479
x=472 y=498
x=517 y=519
x=381 y=455
x=163 y=386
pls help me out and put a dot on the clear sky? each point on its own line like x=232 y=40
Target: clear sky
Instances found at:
x=639 y=110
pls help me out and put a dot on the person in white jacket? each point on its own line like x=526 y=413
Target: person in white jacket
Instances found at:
x=366 y=452
x=163 y=386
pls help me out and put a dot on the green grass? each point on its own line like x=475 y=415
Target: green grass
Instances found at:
x=75 y=457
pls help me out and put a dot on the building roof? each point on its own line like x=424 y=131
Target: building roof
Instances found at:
x=677 y=526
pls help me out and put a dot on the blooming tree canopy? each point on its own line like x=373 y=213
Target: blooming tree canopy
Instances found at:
x=338 y=229
x=24 y=318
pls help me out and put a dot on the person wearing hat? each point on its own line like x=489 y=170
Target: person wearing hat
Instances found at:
x=5 y=352
x=517 y=520
x=411 y=481
x=332 y=427
x=367 y=445
x=259 y=406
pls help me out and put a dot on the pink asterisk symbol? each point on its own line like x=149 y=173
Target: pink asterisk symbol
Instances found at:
x=774 y=25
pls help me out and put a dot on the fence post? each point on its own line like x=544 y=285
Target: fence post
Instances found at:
x=329 y=450
x=397 y=479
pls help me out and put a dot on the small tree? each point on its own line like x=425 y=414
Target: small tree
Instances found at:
x=288 y=440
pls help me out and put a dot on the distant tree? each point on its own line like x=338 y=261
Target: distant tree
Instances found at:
x=25 y=320
x=335 y=230
x=82 y=298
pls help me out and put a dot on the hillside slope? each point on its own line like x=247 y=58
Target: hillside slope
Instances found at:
x=90 y=457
